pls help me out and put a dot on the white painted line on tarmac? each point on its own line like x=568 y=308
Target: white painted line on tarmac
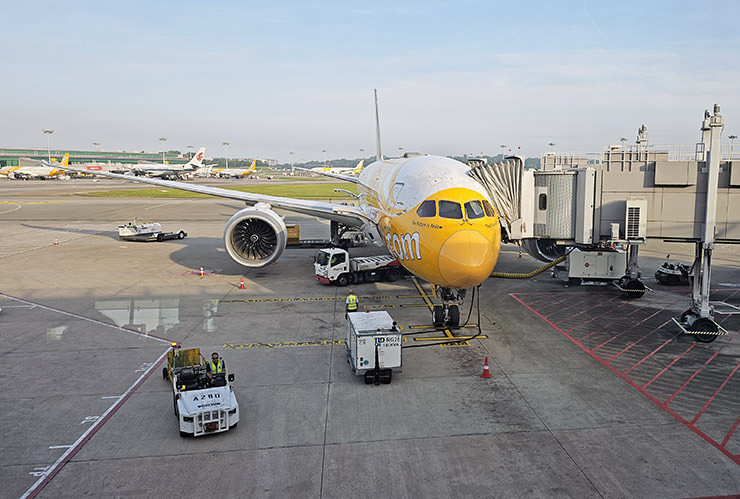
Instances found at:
x=111 y=396
x=47 y=473
x=89 y=319
x=60 y=446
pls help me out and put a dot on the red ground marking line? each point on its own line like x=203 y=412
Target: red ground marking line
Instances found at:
x=587 y=310
x=637 y=309
x=556 y=303
x=626 y=330
x=669 y=365
x=637 y=342
x=70 y=453
x=651 y=353
x=696 y=373
x=729 y=434
x=714 y=395
x=597 y=317
x=733 y=457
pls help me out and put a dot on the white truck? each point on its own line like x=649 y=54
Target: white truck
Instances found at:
x=202 y=405
x=151 y=231
x=373 y=346
x=334 y=265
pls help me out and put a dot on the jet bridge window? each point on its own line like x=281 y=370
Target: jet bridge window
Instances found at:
x=473 y=209
x=488 y=208
x=450 y=209
x=427 y=209
x=543 y=201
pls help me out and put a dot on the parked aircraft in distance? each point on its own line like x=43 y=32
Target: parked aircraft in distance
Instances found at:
x=167 y=171
x=35 y=169
x=340 y=171
x=235 y=172
x=434 y=218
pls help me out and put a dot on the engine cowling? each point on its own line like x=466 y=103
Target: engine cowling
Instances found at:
x=255 y=237
x=545 y=250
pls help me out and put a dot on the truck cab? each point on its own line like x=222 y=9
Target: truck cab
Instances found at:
x=330 y=264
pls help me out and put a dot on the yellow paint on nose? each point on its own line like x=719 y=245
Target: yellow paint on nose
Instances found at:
x=466 y=259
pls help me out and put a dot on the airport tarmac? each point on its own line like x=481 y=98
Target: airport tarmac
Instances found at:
x=591 y=395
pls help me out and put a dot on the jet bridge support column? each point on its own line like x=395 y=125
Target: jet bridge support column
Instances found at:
x=700 y=317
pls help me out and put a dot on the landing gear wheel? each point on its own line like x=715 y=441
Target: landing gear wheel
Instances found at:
x=453 y=316
x=343 y=280
x=685 y=316
x=704 y=324
x=438 y=316
x=634 y=289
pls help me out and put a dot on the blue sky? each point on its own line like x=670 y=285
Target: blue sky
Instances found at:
x=453 y=77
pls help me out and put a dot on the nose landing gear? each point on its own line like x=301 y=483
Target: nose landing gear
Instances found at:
x=448 y=314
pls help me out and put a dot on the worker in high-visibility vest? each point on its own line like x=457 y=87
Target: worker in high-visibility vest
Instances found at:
x=215 y=366
x=352 y=303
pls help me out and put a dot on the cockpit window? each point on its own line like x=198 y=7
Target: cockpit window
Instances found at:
x=488 y=208
x=427 y=209
x=473 y=209
x=450 y=209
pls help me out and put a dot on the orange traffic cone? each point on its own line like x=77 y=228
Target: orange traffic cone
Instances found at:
x=486 y=372
x=241 y=285
x=201 y=272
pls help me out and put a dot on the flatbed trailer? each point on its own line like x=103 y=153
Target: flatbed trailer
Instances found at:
x=151 y=231
x=334 y=266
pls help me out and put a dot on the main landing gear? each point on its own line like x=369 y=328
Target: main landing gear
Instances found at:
x=447 y=314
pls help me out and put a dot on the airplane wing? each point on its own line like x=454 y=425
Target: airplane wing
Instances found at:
x=346 y=178
x=349 y=215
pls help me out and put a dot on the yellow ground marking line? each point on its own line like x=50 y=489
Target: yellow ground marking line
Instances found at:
x=286 y=344
x=307 y=298
x=447 y=333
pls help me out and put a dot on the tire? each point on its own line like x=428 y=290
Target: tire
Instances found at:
x=343 y=280
x=453 y=316
x=704 y=324
x=181 y=235
x=174 y=402
x=234 y=425
x=160 y=238
x=164 y=373
x=392 y=275
x=685 y=315
x=185 y=434
x=438 y=316
x=634 y=289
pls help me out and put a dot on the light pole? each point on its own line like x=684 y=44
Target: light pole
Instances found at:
x=191 y=151
x=163 y=139
x=400 y=152
x=324 y=151
x=97 y=145
x=48 y=133
x=226 y=152
x=552 y=145
x=503 y=149
x=292 y=169
x=732 y=144
x=623 y=140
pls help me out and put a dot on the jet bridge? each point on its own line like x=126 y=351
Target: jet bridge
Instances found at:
x=599 y=208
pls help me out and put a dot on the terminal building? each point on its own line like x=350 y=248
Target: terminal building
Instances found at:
x=11 y=157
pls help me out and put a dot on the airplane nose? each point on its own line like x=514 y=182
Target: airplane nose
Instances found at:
x=466 y=259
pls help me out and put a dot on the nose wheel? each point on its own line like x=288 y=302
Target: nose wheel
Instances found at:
x=447 y=315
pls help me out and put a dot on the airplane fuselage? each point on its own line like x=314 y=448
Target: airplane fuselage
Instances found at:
x=435 y=219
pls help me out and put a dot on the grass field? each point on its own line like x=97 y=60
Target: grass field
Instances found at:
x=302 y=191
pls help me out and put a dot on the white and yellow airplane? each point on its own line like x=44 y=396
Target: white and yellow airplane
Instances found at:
x=434 y=218
x=42 y=170
x=235 y=172
x=340 y=171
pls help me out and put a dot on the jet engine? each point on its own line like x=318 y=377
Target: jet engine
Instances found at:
x=255 y=237
x=545 y=250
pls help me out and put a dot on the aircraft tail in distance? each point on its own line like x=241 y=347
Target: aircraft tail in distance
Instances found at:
x=197 y=160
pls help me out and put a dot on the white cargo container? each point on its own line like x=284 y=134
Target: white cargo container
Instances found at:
x=373 y=345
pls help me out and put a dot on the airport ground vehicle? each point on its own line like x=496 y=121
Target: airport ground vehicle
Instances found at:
x=151 y=231
x=334 y=265
x=202 y=406
x=673 y=273
x=373 y=346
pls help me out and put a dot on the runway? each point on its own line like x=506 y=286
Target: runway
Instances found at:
x=591 y=395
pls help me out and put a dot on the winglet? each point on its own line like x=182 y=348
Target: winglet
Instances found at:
x=378 y=154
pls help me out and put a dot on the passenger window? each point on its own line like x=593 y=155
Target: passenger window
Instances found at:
x=488 y=208
x=450 y=209
x=473 y=209
x=427 y=209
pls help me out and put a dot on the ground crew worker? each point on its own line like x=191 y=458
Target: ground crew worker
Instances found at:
x=215 y=366
x=351 y=302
